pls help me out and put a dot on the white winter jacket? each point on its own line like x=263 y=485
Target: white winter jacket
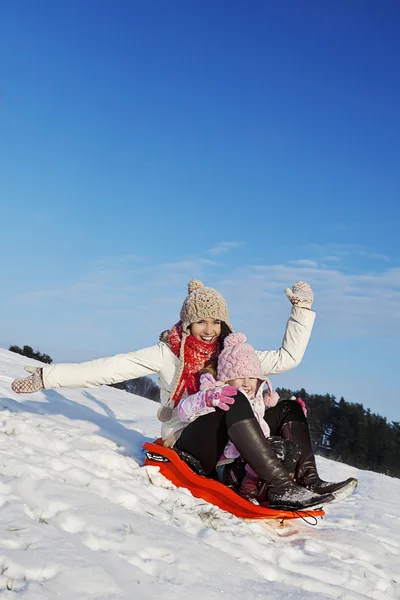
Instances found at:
x=160 y=359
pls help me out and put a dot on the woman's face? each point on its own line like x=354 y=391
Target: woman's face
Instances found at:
x=248 y=384
x=207 y=330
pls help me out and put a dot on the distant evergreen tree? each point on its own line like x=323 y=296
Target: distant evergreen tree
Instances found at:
x=394 y=460
x=142 y=386
x=27 y=351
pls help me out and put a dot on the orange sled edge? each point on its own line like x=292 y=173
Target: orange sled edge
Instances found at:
x=180 y=474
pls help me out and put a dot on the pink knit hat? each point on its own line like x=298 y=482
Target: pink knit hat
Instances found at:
x=238 y=359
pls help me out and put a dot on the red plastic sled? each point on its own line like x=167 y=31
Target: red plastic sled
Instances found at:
x=181 y=475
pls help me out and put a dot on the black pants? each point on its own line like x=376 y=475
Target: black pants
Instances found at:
x=206 y=437
x=284 y=412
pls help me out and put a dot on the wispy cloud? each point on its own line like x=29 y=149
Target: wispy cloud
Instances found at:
x=334 y=252
x=379 y=256
x=330 y=258
x=224 y=247
x=304 y=262
x=121 y=259
x=190 y=265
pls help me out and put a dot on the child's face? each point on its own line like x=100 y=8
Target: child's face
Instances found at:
x=249 y=384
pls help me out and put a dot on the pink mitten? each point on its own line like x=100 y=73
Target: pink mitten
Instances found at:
x=303 y=405
x=29 y=385
x=221 y=397
x=300 y=295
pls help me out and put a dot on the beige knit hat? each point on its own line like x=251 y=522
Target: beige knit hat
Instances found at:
x=202 y=303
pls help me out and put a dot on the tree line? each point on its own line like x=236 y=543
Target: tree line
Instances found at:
x=142 y=386
x=30 y=353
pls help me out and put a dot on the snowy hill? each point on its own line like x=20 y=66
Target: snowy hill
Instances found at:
x=82 y=519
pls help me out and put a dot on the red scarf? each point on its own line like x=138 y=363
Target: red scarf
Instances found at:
x=195 y=355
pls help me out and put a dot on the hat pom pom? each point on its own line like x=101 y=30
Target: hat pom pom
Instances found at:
x=271 y=399
x=235 y=338
x=194 y=285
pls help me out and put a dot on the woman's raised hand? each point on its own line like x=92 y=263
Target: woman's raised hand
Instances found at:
x=221 y=397
x=300 y=295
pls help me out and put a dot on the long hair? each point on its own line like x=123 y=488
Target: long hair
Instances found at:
x=225 y=331
x=210 y=367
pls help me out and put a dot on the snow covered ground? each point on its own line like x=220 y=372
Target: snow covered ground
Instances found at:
x=80 y=518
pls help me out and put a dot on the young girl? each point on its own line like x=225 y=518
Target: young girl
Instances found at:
x=238 y=369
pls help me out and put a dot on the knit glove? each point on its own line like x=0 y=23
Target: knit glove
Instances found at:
x=300 y=295
x=29 y=385
x=220 y=397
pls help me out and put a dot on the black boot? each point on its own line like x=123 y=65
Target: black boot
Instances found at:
x=282 y=493
x=306 y=471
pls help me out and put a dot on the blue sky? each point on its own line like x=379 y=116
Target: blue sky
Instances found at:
x=248 y=144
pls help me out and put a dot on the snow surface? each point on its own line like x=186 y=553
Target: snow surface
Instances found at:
x=81 y=518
